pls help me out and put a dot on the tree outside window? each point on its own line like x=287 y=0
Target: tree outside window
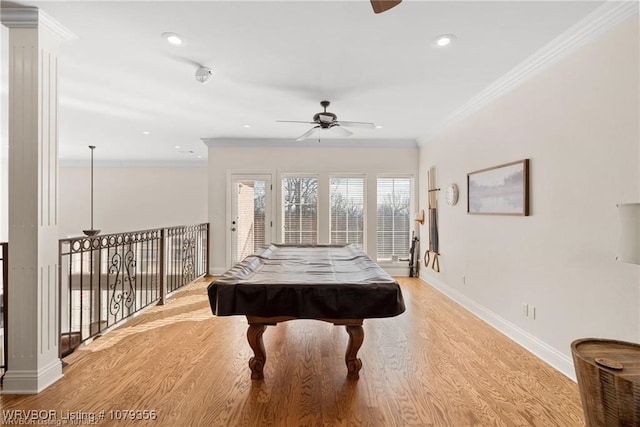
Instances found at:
x=300 y=210
x=347 y=210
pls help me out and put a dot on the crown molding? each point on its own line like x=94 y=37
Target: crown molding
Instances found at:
x=32 y=17
x=74 y=163
x=310 y=143
x=598 y=22
x=25 y=17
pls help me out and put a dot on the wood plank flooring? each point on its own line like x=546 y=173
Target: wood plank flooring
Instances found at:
x=434 y=365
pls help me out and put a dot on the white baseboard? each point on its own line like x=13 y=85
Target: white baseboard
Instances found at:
x=396 y=269
x=548 y=354
x=31 y=382
x=217 y=271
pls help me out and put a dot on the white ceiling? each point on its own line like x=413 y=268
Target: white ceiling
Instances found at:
x=276 y=60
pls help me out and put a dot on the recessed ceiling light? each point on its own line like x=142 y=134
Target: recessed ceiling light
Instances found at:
x=246 y=126
x=199 y=157
x=177 y=147
x=379 y=126
x=145 y=132
x=173 y=38
x=445 y=40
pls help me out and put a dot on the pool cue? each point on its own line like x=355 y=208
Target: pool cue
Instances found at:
x=433 y=221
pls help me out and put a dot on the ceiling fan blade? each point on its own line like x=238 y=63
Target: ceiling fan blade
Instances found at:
x=295 y=121
x=339 y=131
x=363 y=125
x=308 y=133
x=380 y=6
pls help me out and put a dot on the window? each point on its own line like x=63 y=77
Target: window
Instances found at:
x=259 y=220
x=300 y=210
x=347 y=210
x=394 y=221
x=250 y=212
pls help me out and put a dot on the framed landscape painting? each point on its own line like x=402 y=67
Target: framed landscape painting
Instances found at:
x=500 y=190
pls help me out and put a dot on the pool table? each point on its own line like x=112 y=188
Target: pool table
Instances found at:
x=339 y=284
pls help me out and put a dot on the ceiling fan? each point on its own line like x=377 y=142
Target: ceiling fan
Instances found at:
x=380 y=6
x=328 y=120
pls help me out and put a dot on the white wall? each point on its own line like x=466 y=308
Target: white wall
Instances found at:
x=578 y=123
x=276 y=158
x=131 y=198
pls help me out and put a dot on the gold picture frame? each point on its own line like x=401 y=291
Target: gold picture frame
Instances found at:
x=499 y=190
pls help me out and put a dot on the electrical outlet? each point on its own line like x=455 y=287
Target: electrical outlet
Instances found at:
x=464 y=280
x=525 y=310
x=532 y=312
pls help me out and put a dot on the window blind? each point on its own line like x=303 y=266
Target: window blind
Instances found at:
x=300 y=210
x=393 y=204
x=347 y=210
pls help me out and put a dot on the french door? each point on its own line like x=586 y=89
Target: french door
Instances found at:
x=251 y=214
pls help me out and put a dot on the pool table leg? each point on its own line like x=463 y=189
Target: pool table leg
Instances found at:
x=356 y=336
x=256 y=363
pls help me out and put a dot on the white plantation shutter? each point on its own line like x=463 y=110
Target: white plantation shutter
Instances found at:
x=347 y=210
x=300 y=210
x=394 y=220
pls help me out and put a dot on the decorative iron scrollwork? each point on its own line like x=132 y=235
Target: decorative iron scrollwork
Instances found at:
x=124 y=279
x=130 y=268
x=188 y=256
x=83 y=244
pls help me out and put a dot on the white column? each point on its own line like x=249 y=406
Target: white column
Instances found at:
x=4 y=133
x=33 y=330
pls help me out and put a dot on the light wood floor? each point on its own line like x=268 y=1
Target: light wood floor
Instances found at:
x=434 y=365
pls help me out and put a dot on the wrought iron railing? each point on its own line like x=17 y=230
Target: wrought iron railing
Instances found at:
x=4 y=304
x=106 y=279
x=187 y=254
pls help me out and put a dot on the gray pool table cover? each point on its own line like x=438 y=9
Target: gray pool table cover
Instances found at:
x=307 y=282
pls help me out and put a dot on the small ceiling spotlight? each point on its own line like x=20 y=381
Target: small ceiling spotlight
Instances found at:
x=444 y=40
x=173 y=38
x=203 y=74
